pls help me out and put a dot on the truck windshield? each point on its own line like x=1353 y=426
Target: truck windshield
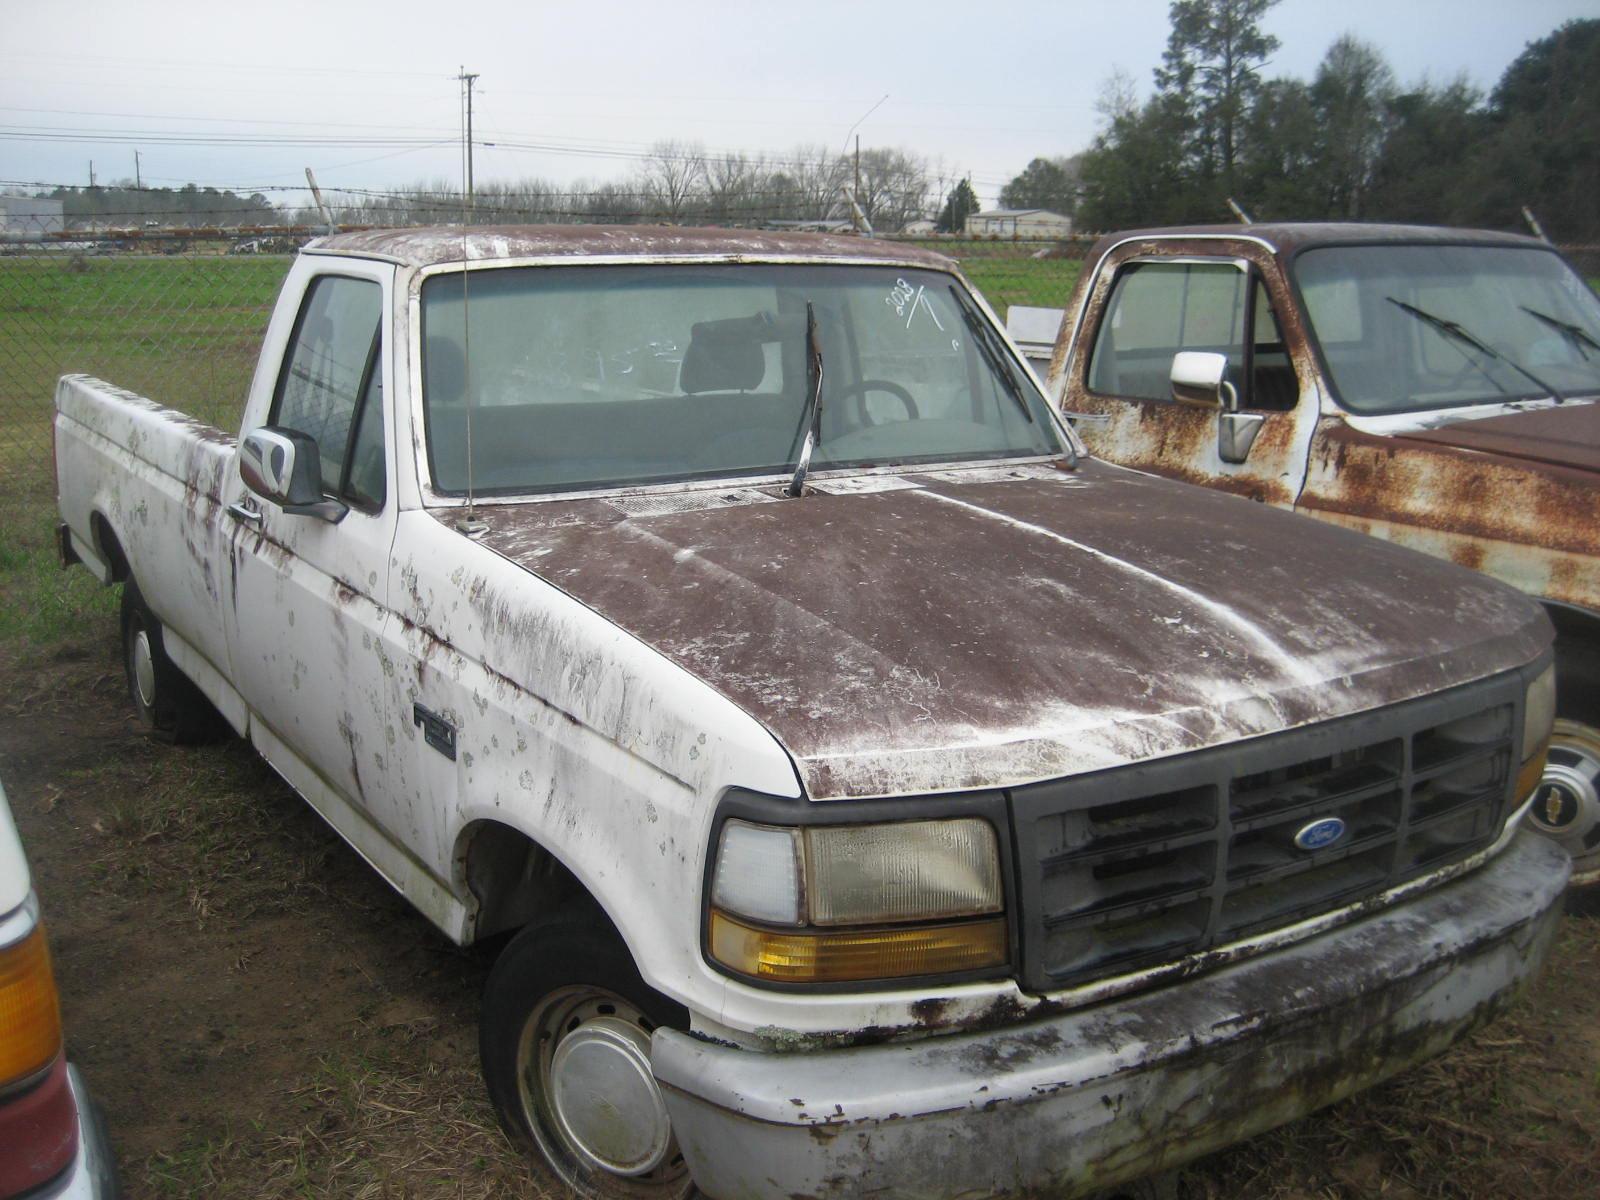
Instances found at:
x=1405 y=328
x=609 y=376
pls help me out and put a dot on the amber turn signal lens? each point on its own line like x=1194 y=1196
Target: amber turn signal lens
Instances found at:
x=1532 y=771
x=30 y=1017
x=839 y=956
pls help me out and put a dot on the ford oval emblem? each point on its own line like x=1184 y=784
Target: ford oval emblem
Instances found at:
x=1320 y=834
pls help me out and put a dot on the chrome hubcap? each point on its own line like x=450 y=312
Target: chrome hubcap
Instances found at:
x=606 y=1100
x=144 y=668
x=591 y=1100
x=1567 y=805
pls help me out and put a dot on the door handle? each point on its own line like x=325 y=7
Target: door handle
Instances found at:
x=249 y=516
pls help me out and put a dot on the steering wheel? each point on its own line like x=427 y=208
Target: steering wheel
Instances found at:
x=861 y=387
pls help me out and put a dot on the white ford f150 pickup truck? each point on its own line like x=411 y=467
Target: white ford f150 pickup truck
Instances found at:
x=886 y=797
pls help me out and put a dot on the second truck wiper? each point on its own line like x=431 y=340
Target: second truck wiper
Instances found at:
x=1454 y=329
x=1575 y=334
x=811 y=417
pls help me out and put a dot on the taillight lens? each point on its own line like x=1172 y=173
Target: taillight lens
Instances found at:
x=30 y=1013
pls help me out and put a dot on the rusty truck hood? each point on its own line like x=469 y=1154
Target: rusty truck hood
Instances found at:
x=1566 y=435
x=985 y=627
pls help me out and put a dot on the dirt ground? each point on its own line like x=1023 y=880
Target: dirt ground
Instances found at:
x=261 y=1016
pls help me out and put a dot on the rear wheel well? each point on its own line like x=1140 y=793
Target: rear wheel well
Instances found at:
x=1577 y=661
x=110 y=548
x=515 y=880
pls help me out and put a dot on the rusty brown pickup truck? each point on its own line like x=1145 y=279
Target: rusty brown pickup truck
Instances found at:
x=1432 y=387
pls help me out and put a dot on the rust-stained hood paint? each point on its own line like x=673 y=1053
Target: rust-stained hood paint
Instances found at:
x=978 y=630
x=1567 y=435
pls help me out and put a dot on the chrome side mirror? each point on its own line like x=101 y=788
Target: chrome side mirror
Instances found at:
x=283 y=466
x=1199 y=377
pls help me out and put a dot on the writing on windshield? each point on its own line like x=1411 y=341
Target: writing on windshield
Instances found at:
x=604 y=376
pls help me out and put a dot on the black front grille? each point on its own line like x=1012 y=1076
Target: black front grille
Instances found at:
x=1142 y=865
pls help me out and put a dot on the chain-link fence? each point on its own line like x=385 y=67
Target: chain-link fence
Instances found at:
x=177 y=319
x=180 y=319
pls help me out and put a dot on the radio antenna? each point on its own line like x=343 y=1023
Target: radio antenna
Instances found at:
x=469 y=524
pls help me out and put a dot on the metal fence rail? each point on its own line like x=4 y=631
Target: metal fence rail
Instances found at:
x=180 y=318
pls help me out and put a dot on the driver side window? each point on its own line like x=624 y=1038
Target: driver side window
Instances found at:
x=331 y=386
x=1159 y=308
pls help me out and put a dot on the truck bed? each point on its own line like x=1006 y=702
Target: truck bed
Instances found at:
x=158 y=474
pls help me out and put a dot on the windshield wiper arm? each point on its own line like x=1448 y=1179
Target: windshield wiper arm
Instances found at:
x=807 y=435
x=993 y=354
x=1455 y=330
x=1576 y=334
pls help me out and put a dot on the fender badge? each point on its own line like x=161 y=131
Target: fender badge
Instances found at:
x=1320 y=834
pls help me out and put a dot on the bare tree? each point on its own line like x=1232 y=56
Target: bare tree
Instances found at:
x=735 y=187
x=672 y=177
x=816 y=174
x=894 y=188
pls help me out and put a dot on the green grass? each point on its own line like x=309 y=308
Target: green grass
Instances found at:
x=42 y=607
x=1007 y=273
x=182 y=329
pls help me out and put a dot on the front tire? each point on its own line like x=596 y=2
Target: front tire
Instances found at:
x=565 y=1039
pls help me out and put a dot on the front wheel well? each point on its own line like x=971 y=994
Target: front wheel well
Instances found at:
x=1577 y=661
x=514 y=879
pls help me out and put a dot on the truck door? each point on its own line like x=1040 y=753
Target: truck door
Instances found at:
x=310 y=595
x=1141 y=310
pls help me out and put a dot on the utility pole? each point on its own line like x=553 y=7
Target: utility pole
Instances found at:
x=467 y=79
x=91 y=172
x=138 y=180
x=858 y=167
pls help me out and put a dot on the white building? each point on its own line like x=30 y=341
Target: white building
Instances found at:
x=1019 y=223
x=23 y=218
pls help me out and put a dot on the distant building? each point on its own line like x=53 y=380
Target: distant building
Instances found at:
x=23 y=218
x=1019 y=223
x=922 y=227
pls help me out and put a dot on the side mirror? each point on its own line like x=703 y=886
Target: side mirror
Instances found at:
x=1201 y=378
x=283 y=466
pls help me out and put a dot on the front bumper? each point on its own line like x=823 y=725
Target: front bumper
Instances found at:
x=1095 y=1097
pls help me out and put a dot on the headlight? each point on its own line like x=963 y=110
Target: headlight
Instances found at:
x=835 y=903
x=1538 y=719
x=1539 y=712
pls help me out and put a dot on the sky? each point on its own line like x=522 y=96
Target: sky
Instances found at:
x=247 y=96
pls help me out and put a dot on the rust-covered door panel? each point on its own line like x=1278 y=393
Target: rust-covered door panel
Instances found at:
x=1147 y=298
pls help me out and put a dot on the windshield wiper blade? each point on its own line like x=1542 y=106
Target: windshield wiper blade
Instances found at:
x=994 y=355
x=1576 y=334
x=811 y=417
x=1454 y=329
